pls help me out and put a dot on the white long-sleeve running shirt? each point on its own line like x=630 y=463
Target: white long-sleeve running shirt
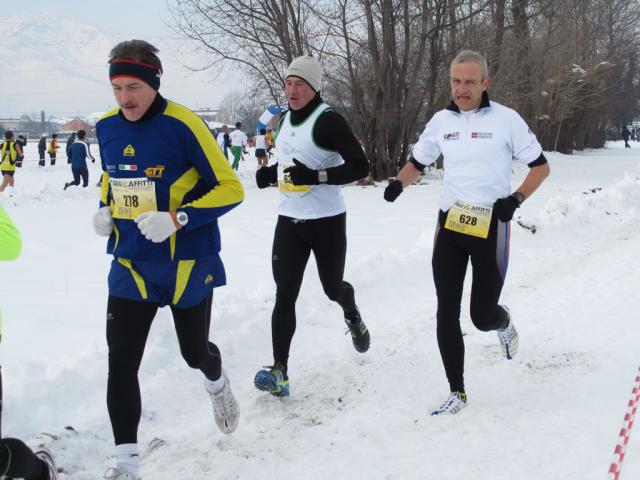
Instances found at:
x=478 y=148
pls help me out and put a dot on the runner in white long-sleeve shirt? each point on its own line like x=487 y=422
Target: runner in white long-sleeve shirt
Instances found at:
x=478 y=139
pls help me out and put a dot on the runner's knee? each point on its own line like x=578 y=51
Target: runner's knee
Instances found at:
x=487 y=319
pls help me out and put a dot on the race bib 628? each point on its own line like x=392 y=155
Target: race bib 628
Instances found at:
x=468 y=219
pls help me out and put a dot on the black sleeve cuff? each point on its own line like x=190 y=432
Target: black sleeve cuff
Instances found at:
x=417 y=164
x=541 y=160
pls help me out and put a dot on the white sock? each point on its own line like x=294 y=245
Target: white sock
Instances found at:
x=128 y=458
x=214 y=386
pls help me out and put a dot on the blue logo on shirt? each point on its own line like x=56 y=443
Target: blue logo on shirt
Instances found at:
x=451 y=136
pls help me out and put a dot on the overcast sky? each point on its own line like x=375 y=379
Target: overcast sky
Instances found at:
x=44 y=79
x=130 y=17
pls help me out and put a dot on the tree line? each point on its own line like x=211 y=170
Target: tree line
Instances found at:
x=570 y=67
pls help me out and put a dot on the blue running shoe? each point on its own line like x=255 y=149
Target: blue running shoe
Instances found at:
x=274 y=380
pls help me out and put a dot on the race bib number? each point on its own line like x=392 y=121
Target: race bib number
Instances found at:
x=133 y=196
x=285 y=184
x=469 y=219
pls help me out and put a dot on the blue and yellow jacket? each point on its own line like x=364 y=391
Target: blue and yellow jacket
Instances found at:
x=175 y=151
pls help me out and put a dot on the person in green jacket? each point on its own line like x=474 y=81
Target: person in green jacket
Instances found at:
x=17 y=460
x=10 y=241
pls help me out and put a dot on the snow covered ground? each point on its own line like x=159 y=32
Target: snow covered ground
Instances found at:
x=554 y=412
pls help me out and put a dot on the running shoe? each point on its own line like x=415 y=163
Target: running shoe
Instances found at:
x=274 y=380
x=452 y=405
x=225 y=407
x=509 y=339
x=359 y=332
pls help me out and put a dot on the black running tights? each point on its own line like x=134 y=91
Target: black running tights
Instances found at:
x=128 y=324
x=489 y=259
x=293 y=242
x=18 y=461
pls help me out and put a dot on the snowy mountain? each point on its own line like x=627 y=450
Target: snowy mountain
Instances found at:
x=59 y=64
x=52 y=58
x=552 y=413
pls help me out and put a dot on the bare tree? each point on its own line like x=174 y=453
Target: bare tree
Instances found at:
x=523 y=84
x=498 y=20
x=380 y=50
x=588 y=84
x=570 y=67
x=258 y=37
x=241 y=107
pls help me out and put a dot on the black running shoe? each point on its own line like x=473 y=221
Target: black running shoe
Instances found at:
x=47 y=457
x=359 y=332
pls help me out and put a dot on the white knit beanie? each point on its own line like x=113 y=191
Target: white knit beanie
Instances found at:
x=307 y=68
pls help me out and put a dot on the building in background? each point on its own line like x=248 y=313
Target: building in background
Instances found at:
x=77 y=124
x=207 y=114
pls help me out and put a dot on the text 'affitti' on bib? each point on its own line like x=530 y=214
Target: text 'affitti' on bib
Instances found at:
x=469 y=219
x=286 y=185
x=133 y=196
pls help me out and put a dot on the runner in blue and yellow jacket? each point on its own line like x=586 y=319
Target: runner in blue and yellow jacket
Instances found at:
x=165 y=182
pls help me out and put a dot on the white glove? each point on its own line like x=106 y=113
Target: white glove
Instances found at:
x=156 y=226
x=103 y=222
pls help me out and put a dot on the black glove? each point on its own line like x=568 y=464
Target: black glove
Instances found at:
x=505 y=207
x=393 y=190
x=301 y=174
x=265 y=176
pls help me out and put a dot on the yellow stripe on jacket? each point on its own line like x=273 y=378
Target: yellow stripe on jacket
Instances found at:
x=229 y=191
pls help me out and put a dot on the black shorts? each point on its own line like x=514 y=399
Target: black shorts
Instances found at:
x=261 y=153
x=8 y=172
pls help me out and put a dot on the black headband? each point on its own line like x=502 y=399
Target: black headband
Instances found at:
x=130 y=68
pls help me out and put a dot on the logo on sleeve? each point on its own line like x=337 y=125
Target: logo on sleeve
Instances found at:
x=448 y=137
x=154 y=172
x=481 y=135
x=129 y=151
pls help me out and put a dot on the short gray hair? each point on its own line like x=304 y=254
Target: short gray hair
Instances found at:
x=471 y=56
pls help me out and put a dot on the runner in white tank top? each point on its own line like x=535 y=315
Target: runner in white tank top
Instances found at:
x=317 y=152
